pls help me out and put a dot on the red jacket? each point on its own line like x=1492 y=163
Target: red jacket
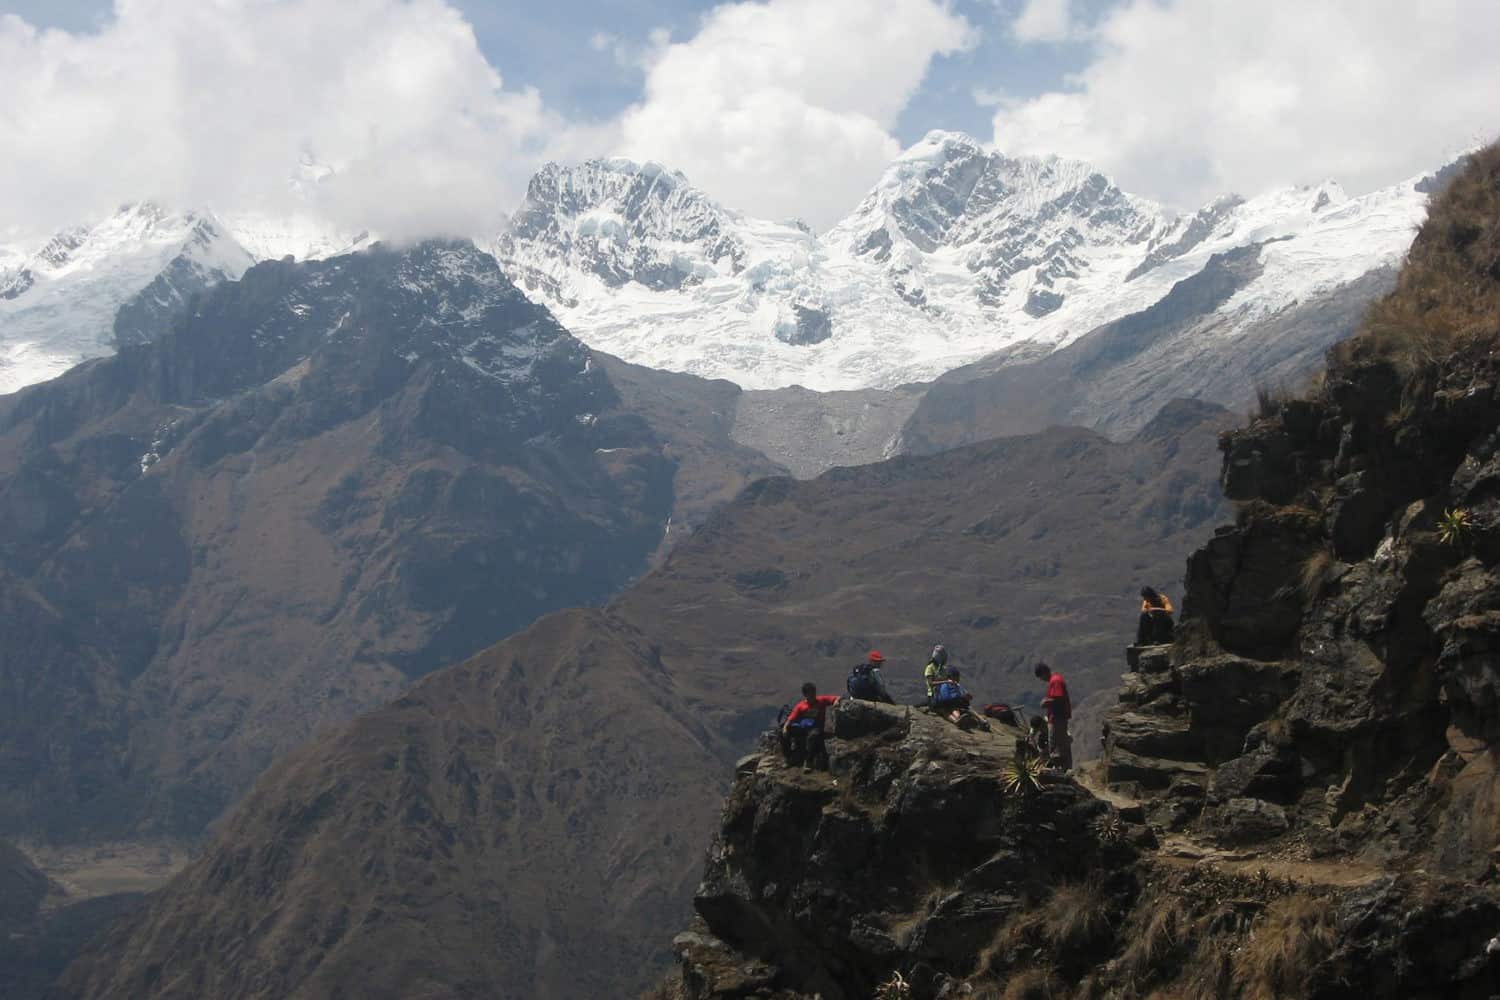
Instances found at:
x=1057 y=702
x=818 y=707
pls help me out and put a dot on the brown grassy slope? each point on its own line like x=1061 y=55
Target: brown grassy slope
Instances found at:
x=530 y=823
x=1448 y=293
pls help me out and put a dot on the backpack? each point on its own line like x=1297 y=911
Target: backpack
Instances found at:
x=862 y=683
x=1001 y=711
x=948 y=693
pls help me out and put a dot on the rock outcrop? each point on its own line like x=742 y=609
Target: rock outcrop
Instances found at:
x=904 y=857
x=919 y=866
x=1332 y=681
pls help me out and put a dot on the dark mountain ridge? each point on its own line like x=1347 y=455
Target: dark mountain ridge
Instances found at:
x=328 y=479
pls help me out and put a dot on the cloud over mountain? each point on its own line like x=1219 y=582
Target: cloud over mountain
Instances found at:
x=219 y=103
x=787 y=108
x=1186 y=99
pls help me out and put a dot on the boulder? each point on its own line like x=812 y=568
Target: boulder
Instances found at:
x=1265 y=774
x=853 y=718
x=1154 y=734
x=1149 y=659
x=1248 y=821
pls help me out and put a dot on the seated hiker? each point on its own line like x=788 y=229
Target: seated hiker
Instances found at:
x=949 y=697
x=865 y=682
x=802 y=734
x=1156 y=618
x=1036 y=737
x=1059 y=709
x=935 y=671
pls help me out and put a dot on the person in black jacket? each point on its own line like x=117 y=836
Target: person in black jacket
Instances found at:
x=1155 y=626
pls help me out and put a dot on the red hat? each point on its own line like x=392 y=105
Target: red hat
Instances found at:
x=875 y=656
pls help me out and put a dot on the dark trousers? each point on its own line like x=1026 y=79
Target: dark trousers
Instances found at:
x=1155 y=628
x=807 y=745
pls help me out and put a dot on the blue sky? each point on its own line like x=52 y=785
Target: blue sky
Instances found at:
x=778 y=108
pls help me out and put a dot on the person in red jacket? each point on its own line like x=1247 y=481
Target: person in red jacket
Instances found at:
x=803 y=729
x=1059 y=708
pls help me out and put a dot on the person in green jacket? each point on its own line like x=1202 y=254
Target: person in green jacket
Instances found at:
x=936 y=671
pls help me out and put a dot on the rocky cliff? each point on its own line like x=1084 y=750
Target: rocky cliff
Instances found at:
x=927 y=863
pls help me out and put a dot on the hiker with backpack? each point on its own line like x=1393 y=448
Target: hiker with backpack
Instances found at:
x=865 y=682
x=1058 y=706
x=936 y=670
x=1155 y=628
x=802 y=733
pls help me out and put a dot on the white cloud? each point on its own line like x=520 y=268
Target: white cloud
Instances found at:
x=214 y=103
x=786 y=107
x=1045 y=21
x=1185 y=99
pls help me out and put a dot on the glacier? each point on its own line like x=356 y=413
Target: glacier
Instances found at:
x=957 y=253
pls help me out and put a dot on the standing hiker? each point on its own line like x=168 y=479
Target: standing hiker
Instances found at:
x=1059 y=708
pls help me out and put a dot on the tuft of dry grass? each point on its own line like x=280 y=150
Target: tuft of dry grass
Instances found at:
x=1210 y=972
x=1033 y=984
x=1158 y=936
x=1075 y=917
x=1072 y=921
x=1289 y=940
x=1316 y=570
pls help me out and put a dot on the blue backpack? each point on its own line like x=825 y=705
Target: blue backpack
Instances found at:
x=948 y=693
x=862 y=683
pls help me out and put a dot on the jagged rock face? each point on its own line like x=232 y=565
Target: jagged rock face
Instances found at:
x=1334 y=660
x=329 y=479
x=910 y=859
x=619 y=222
x=906 y=856
x=543 y=794
x=1033 y=220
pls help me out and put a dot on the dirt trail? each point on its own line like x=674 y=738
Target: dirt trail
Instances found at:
x=1280 y=861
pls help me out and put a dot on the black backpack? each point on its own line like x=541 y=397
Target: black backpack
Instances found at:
x=862 y=683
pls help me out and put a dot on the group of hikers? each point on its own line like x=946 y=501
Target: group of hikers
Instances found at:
x=802 y=732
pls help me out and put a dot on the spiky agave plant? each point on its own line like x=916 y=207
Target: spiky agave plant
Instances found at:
x=1455 y=526
x=1023 y=775
x=895 y=988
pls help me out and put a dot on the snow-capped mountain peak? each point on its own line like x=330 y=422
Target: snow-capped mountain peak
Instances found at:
x=957 y=251
x=92 y=288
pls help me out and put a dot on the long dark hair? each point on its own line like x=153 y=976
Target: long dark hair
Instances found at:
x=1152 y=597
